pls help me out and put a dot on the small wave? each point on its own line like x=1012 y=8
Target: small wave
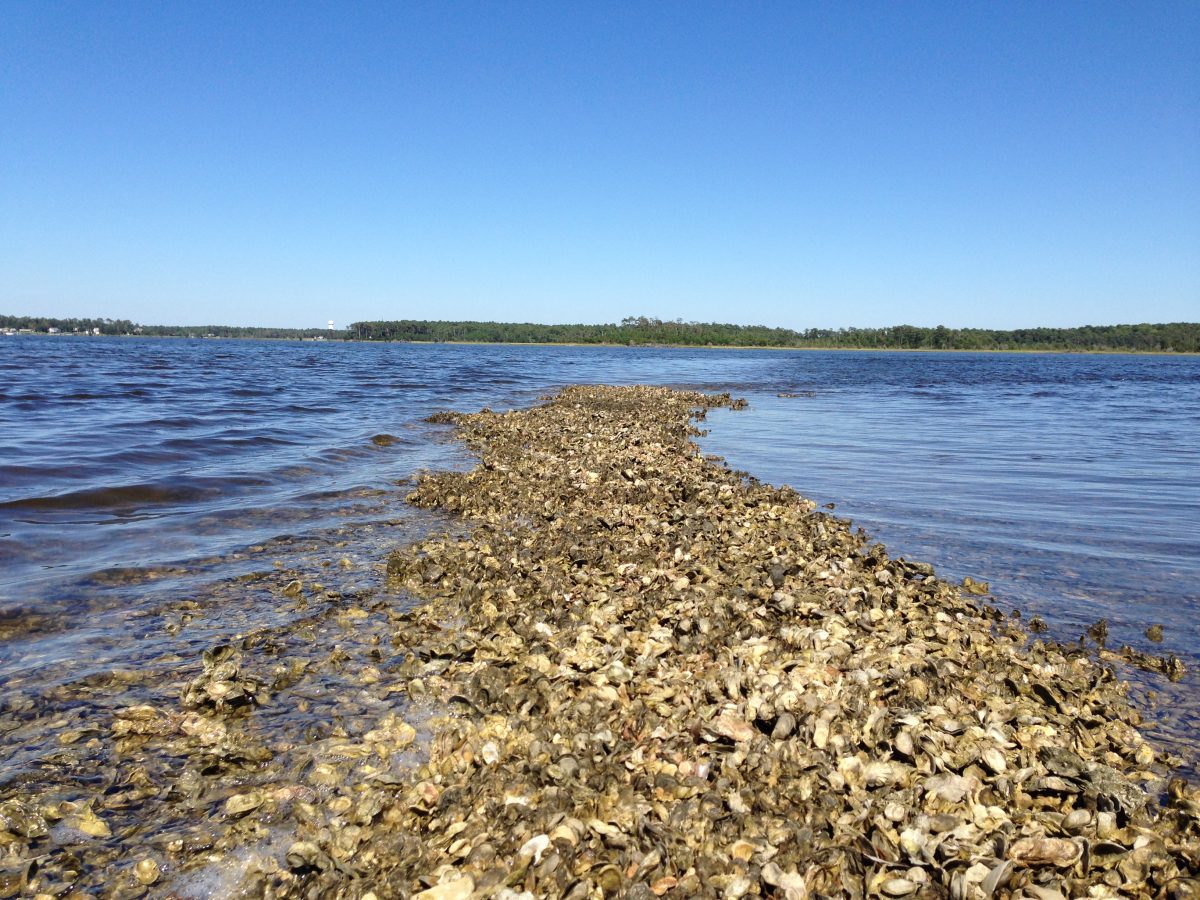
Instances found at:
x=358 y=492
x=295 y=473
x=119 y=496
x=94 y=395
x=342 y=454
x=170 y=422
x=133 y=496
x=298 y=408
x=11 y=474
x=210 y=444
x=148 y=458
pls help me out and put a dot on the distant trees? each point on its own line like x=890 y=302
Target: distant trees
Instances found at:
x=1178 y=337
x=238 y=331
x=67 y=326
x=1181 y=337
x=46 y=325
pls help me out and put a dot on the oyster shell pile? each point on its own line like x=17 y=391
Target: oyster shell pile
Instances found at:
x=679 y=681
x=635 y=673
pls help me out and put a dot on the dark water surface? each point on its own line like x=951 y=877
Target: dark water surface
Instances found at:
x=136 y=472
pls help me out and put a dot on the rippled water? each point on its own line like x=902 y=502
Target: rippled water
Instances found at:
x=134 y=472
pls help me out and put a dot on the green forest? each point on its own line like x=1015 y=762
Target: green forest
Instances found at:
x=1181 y=337
x=1177 y=337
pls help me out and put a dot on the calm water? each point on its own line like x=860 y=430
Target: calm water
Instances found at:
x=135 y=472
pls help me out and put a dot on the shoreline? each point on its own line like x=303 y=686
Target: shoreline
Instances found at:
x=632 y=672
x=806 y=349
x=716 y=347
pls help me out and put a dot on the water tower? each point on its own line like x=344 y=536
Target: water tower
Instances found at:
x=331 y=324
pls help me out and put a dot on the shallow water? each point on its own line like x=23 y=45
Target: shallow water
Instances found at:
x=136 y=474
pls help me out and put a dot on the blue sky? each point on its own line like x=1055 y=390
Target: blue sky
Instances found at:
x=794 y=164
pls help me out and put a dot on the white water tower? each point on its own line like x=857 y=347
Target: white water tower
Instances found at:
x=331 y=324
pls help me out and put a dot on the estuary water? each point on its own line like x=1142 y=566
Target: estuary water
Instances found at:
x=136 y=474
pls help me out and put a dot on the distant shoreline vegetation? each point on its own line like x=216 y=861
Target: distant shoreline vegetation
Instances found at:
x=1175 y=337
x=1179 y=337
x=47 y=325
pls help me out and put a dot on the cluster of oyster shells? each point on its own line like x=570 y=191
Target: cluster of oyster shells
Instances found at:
x=635 y=673
x=678 y=681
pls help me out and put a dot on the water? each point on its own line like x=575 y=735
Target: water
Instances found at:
x=139 y=478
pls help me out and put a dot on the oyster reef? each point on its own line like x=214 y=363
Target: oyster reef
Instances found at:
x=635 y=673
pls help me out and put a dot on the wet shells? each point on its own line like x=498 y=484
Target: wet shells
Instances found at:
x=971 y=586
x=89 y=823
x=146 y=871
x=142 y=719
x=21 y=819
x=306 y=855
x=240 y=804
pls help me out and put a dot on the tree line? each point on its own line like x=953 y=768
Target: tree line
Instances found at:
x=47 y=325
x=1181 y=337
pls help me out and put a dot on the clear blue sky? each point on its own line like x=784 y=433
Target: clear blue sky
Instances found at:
x=795 y=164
